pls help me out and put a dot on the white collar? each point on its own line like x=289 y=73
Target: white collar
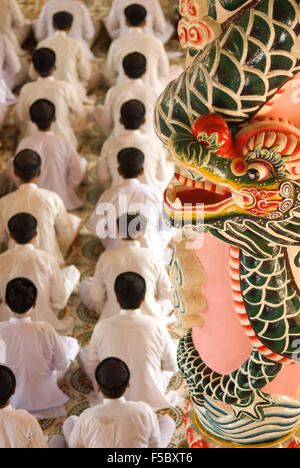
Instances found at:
x=24 y=246
x=28 y=185
x=60 y=33
x=131 y=182
x=130 y=243
x=7 y=408
x=49 y=78
x=109 y=401
x=135 y=30
x=131 y=312
x=20 y=320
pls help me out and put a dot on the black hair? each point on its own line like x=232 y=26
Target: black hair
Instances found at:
x=135 y=14
x=44 y=60
x=22 y=227
x=27 y=164
x=133 y=114
x=21 y=295
x=131 y=226
x=112 y=375
x=7 y=384
x=62 y=20
x=131 y=162
x=134 y=65
x=130 y=289
x=42 y=113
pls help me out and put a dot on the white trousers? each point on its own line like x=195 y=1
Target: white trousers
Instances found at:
x=166 y=425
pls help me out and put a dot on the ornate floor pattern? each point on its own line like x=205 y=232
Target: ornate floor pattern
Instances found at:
x=86 y=249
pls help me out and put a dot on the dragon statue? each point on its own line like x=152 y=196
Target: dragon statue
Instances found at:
x=237 y=183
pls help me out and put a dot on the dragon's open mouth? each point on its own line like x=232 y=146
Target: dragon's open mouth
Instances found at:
x=185 y=194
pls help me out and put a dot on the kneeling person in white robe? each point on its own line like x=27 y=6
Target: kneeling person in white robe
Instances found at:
x=37 y=355
x=63 y=170
x=54 y=285
x=117 y=423
x=98 y=293
x=57 y=229
x=143 y=342
x=18 y=428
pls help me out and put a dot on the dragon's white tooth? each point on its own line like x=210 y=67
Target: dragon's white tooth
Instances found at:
x=177 y=204
x=238 y=200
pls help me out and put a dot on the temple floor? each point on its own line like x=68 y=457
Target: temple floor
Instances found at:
x=87 y=249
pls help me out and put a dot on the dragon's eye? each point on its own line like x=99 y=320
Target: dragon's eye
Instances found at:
x=259 y=171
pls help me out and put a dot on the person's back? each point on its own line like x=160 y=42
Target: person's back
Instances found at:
x=117 y=423
x=82 y=29
x=56 y=227
x=11 y=17
x=72 y=63
x=137 y=41
x=18 y=429
x=156 y=23
x=34 y=352
x=130 y=257
x=157 y=172
x=141 y=341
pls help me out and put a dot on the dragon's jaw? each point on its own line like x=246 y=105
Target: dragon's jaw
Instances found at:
x=196 y=200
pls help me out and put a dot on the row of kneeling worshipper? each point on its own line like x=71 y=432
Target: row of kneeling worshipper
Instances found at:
x=50 y=100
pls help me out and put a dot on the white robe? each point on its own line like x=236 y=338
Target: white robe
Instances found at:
x=132 y=197
x=144 y=343
x=72 y=64
x=67 y=103
x=137 y=41
x=54 y=286
x=63 y=170
x=98 y=294
x=9 y=65
x=12 y=21
x=157 y=170
x=36 y=353
x=82 y=30
x=20 y=430
x=108 y=115
x=115 y=424
x=156 y=23
x=56 y=228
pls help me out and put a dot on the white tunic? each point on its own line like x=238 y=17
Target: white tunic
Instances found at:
x=157 y=171
x=98 y=292
x=41 y=268
x=131 y=197
x=108 y=116
x=82 y=29
x=9 y=65
x=116 y=424
x=12 y=19
x=20 y=430
x=137 y=41
x=63 y=170
x=35 y=353
x=56 y=228
x=144 y=343
x=156 y=22
x=72 y=63
x=62 y=95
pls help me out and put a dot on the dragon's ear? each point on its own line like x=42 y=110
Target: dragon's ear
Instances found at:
x=184 y=147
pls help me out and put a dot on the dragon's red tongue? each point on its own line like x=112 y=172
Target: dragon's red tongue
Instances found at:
x=194 y=196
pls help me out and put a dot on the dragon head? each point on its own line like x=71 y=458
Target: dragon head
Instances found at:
x=245 y=190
